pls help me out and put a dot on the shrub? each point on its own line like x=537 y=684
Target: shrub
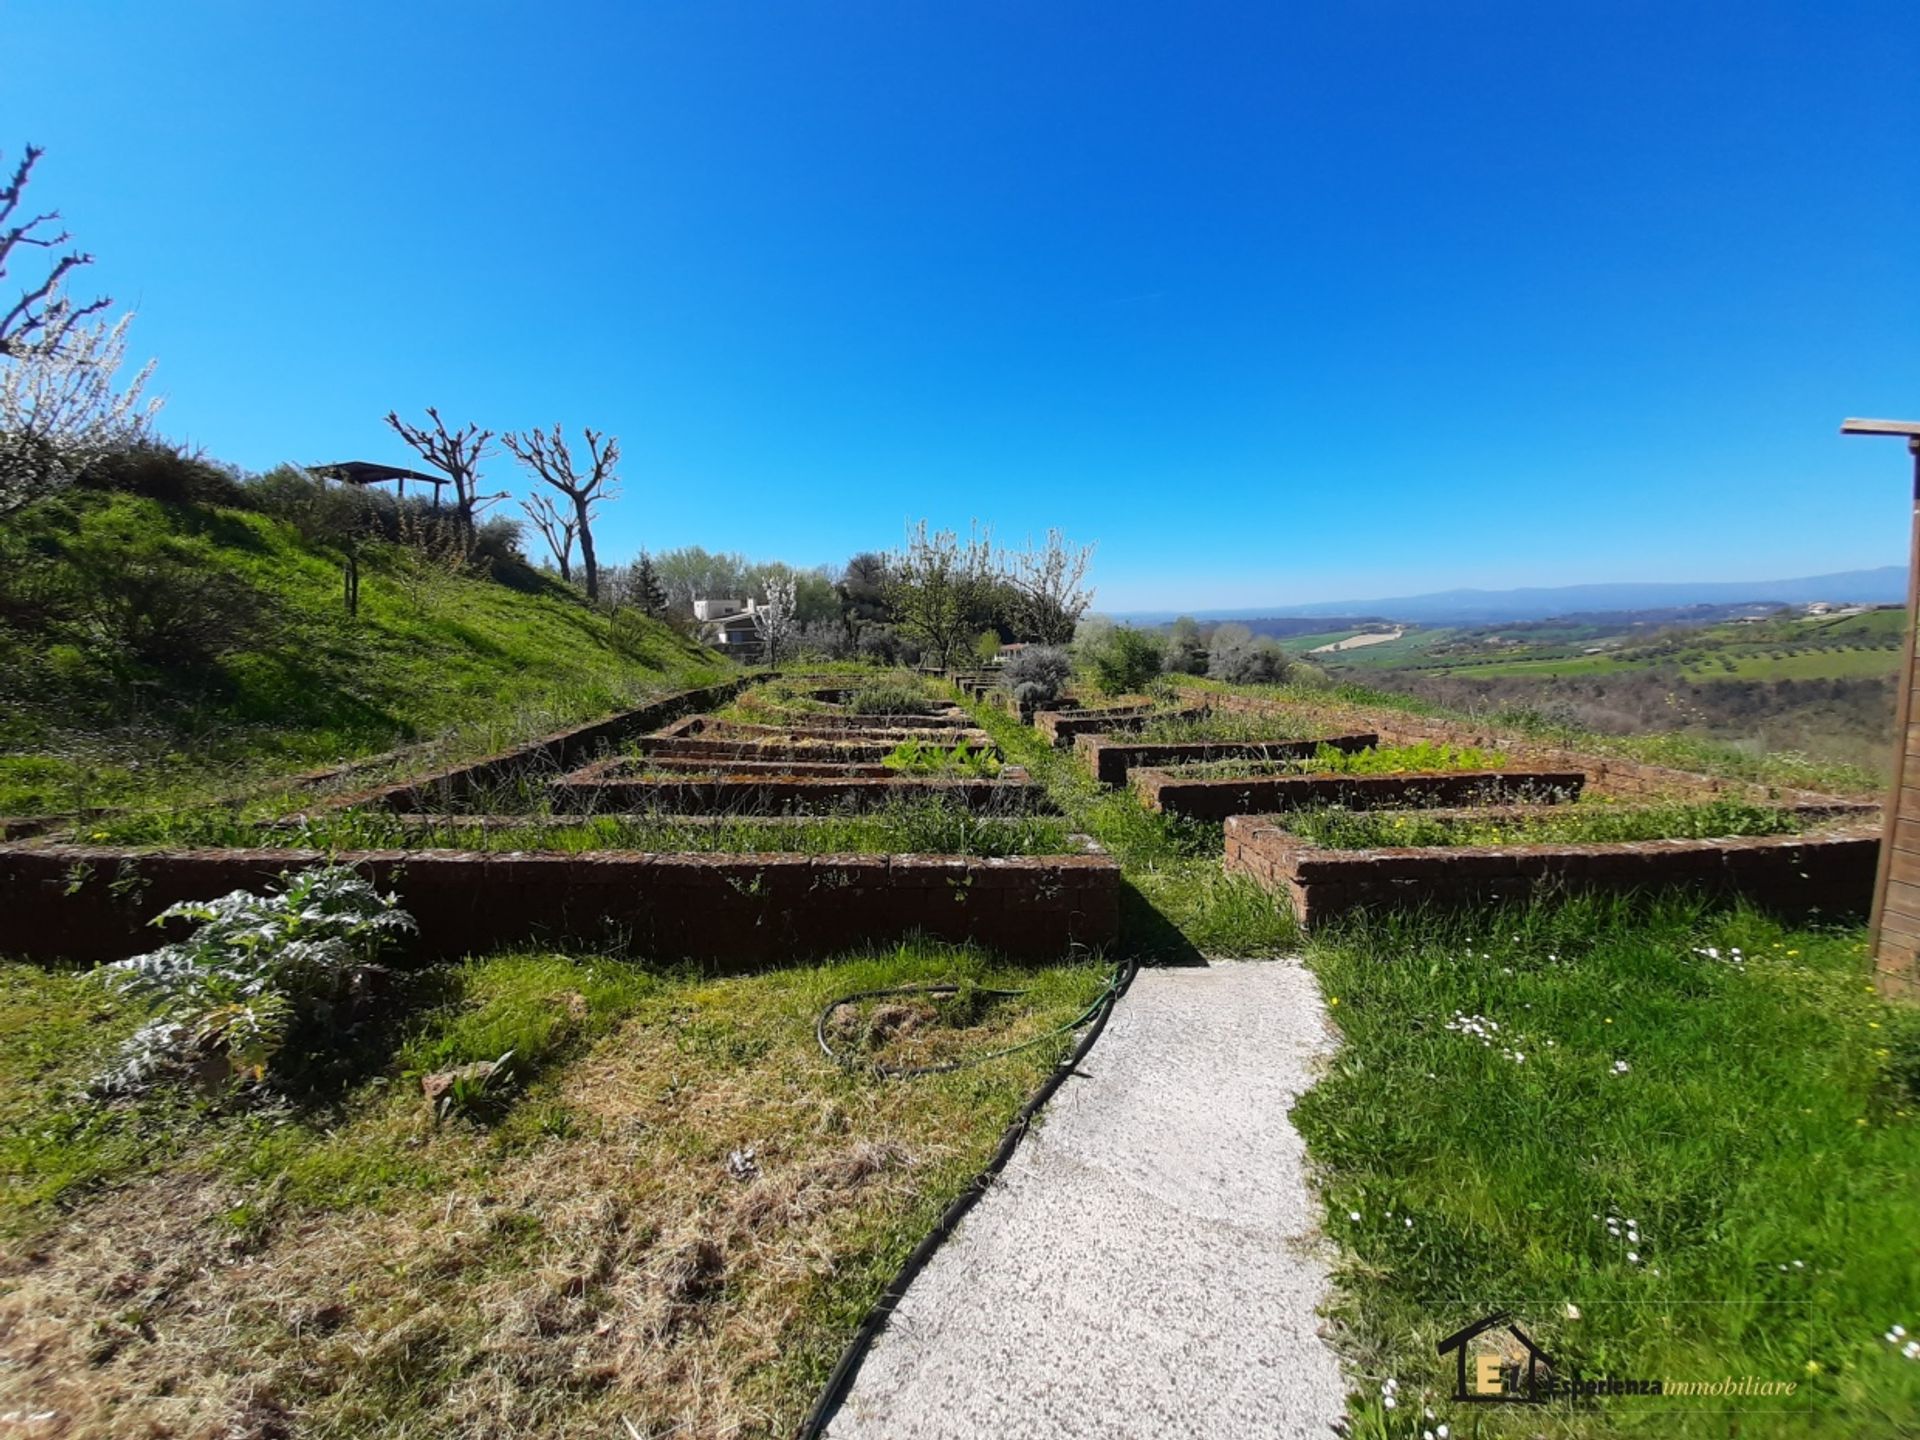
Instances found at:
x=1122 y=660
x=888 y=697
x=257 y=966
x=161 y=471
x=156 y=602
x=880 y=644
x=1240 y=657
x=1038 y=675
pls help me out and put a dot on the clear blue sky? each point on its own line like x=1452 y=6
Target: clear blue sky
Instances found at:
x=1276 y=302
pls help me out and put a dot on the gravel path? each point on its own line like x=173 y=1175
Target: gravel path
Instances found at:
x=1148 y=1264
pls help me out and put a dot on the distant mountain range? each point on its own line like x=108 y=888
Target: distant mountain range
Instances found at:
x=1884 y=586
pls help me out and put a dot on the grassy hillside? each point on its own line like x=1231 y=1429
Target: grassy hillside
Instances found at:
x=151 y=649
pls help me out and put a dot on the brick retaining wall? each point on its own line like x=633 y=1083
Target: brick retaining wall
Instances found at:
x=1062 y=726
x=1165 y=791
x=584 y=791
x=550 y=753
x=1792 y=874
x=1110 y=759
x=89 y=904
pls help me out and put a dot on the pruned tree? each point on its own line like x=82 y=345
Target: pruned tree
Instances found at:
x=557 y=527
x=62 y=408
x=457 y=455
x=1049 y=586
x=935 y=584
x=549 y=457
x=774 y=621
x=43 y=318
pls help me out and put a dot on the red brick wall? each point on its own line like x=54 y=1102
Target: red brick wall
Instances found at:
x=1163 y=790
x=1831 y=873
x=1110 y=759
x=91 y=903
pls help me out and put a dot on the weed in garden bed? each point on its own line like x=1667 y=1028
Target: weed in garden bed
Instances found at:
x=914 y=757
x=1575 y=824
x=1420 y=757
x=905 y=825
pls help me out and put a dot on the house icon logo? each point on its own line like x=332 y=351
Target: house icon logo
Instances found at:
x=1496 y=1363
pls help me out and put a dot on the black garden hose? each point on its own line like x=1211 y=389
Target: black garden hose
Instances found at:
x=842 y=1378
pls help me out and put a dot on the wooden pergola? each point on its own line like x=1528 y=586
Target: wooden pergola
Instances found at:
x=368 y=472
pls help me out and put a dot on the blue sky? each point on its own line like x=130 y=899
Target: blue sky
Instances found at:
x=1276 y=302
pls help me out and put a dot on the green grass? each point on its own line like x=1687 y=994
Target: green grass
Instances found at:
x=1177 y=900
x=473 y=663
x=1765 y=1116
x=1578 y=824
x=919 y=825
x=1419 y=757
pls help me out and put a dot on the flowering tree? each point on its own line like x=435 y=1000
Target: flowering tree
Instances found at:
x=936 y=584
x=61 y=405
x=773 y=621
x=1049 y=582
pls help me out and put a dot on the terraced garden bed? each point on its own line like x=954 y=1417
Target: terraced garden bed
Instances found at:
x=1782 y=858
x=1111 y=758
x=620 y=785
x=1168 y=792
x=1062 y=726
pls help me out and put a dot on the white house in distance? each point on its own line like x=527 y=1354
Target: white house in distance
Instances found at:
x=728 y=624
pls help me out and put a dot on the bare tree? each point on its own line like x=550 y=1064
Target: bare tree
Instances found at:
x=1050 y=581
x=557 y=527
x=42 y=317
x=549 y=458
x=457 y=455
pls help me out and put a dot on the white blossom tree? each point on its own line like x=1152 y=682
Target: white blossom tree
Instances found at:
x=1050 y=583
x=62 y=406
x=774 y=621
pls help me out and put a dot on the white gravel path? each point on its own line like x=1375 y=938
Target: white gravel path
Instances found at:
x=1149 y=1263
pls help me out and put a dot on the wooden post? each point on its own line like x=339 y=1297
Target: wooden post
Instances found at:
x=1893 y=938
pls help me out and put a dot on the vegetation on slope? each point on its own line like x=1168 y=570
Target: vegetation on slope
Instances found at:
x=151 y=649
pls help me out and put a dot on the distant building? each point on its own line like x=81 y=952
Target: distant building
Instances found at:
x=730 y=626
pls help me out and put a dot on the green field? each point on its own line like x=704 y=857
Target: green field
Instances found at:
x=1850 y=647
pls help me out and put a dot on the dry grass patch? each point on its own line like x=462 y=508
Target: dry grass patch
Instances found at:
x=676 y=1223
